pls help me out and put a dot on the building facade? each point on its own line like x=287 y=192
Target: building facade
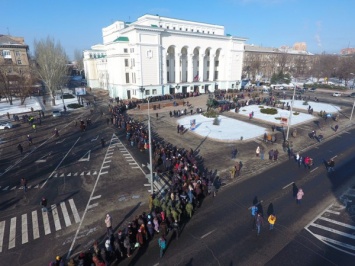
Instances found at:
x=13 y=54
x=260 y=63
x=158 y=55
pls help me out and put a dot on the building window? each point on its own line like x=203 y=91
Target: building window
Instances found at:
x=198 y=63
x=180 y=28
x=167 y=76
x=186 y=29
x=192 y=30
x=208 y=63
x=17 y=53
x=173 y=28
x=125 y=50
x=132 y=50
x=154 y=92
x=126 y=63
x=127 y=77
x=19 y=62
x=147 y=92
x=208 y=75
x=198 y=31
x=212 y=32
x=6 y=54
x=167 y=27
x=215 y=75
x=133 y=62
x=216 y=63
x=133 y=78
x=203 y=31
x=167 y=63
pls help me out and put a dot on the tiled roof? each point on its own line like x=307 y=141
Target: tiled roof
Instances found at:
x=5 y=39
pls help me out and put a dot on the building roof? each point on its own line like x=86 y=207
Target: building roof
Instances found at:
x=9 y=40
x=261 y=49
x=122 y=39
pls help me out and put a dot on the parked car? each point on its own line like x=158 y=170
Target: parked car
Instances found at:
x=56 y=113
x=336 y=94
x=312 y=89
x=5 y=125
x=352 y=95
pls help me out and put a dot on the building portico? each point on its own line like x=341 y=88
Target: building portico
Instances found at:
x=165 y=56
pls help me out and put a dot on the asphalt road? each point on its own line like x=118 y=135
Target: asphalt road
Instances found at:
x=220 y=232
x=83 y=181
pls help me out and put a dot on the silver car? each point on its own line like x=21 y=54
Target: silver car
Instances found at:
x=56 y=113
x=5 y=125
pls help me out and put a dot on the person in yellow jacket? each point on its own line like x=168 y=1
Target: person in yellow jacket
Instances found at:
x=271 y=220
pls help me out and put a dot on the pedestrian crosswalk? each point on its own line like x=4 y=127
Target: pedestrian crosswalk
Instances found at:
x=335 y=226
x=33 y=225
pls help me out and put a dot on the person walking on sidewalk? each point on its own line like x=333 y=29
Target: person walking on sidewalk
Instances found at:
x=44 y=204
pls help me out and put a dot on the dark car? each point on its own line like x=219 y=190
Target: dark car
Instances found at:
x=352 y=95
x=312 y=89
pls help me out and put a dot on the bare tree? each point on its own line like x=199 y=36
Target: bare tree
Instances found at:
x=25 y=83
x=51 y=62
x=299 y=66
x=6 y=81
x=78 y=58
x=283 y=59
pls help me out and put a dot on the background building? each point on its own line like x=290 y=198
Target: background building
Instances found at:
x=164 y=56
x=13 y=54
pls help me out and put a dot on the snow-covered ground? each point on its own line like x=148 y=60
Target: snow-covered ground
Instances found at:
x=296 y=119
x=317 y=107
x=228 y=128
x=17 y=108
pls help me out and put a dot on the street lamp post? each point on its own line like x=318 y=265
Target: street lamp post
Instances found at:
x=290 y=116
x=142 y=89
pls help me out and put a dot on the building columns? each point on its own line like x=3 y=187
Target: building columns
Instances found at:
x=212 y=58
x=201 y=67
x=165 y=70
x=190 y=68
x=177 y=68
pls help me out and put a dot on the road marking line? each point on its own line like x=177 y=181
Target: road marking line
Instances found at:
x=62 y=175
x=69 y=174
x=35 y=226
x=83 y=173
x=103 y=173
x=326 y=239
x=334 y=212
x=103 y=167
x=74 y=210
x=6 y=188
x=107 y=161
x=131 y=163
x=288 y=185
x=129 y=159
x=96 y=197
x=56 y=217
x=333 y=231
x=95 y=173
x=45 y=182
x=108 y=157
x=334 y=157
x=13 y=188
x=93 y=206
x=88 y=203
x=109 y=153
x=136 y=167
x=89 y=173
x=65 y=214
x=24 y=229
x=47 y=227
x=314 y=169
x=346 y=132
x=210 y=232
x=2 y=231
x=336 y=222
x=12 y=237
x=76 y=174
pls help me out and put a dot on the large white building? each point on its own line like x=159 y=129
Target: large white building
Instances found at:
x=158 y=55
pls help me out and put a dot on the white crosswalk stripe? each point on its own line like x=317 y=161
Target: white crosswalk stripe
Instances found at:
x=24 y=229
x=17 y=230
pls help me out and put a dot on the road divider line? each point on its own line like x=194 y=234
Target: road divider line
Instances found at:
x=35 y=226
x=288 y=185
x=210 y=232
x=65 y=214
x=314 y=169
x=96 y=197
x=333 y=212
x=12 y=236
x=45 y=182
x=113 y=138
x=93 y=205
x=334 y=157
x=334 y=231
x=2 y=231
